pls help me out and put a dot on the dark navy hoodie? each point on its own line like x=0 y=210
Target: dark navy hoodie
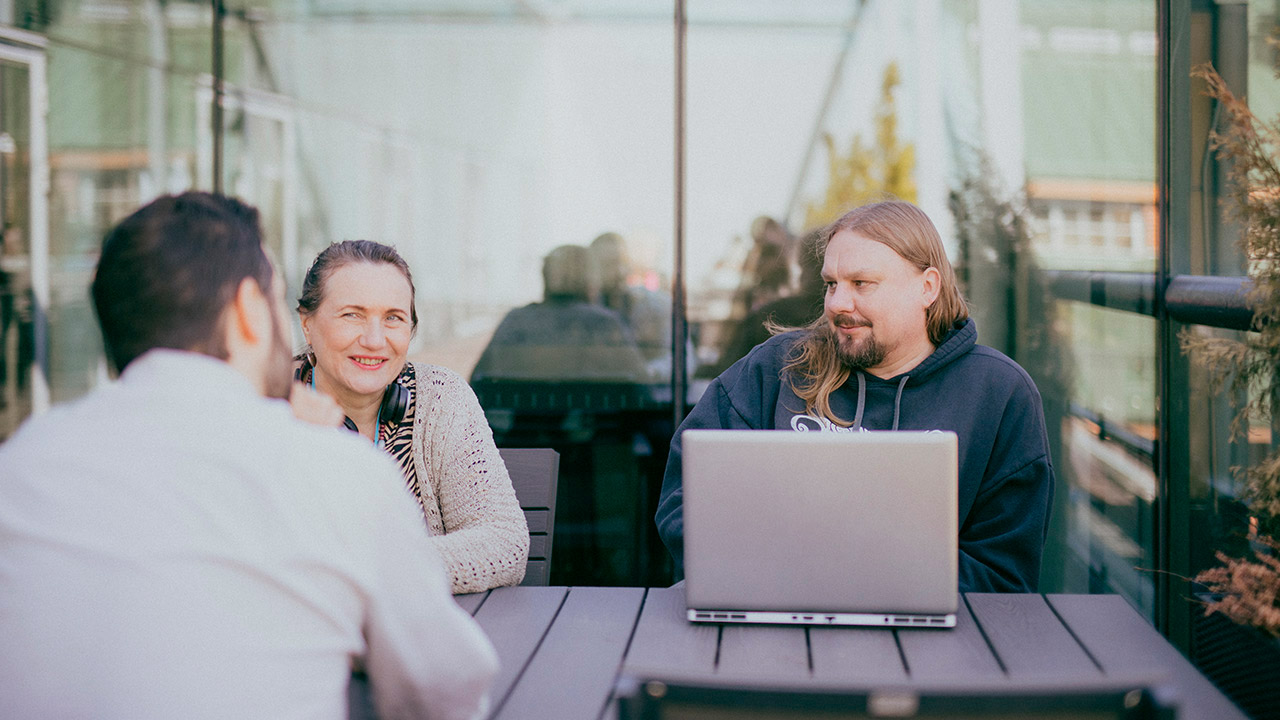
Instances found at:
x=986 y=399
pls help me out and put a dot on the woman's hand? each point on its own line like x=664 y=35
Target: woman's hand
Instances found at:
x=315 y=408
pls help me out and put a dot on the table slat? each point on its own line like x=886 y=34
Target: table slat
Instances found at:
x=860 y=656
x=1125 y=645
x=763 y=652
x=953 y=654
x=472 y=601
x=666 y=642
x=515 y=619
x=573 y=672
x=1029 y=638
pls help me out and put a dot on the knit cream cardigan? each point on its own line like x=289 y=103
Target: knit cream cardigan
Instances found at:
x=463 y=486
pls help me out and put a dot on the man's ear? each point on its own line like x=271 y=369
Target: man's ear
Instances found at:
x=932 y=286
x=250 y=315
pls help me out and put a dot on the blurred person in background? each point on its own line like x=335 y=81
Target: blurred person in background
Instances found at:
x=766 y=272
x=565 y=336
x=646 y=311
x=763 y=276
x=794 y=309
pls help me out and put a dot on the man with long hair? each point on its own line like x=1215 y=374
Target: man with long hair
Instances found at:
x=895 y=349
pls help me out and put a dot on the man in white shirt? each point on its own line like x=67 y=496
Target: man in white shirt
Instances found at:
x=177 y=545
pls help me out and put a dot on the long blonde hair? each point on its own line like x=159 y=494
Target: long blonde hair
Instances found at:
x=813 y=369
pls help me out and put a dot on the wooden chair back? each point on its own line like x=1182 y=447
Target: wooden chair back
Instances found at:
x=535 y=474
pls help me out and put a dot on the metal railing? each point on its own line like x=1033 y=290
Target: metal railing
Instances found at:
x=1220 y=302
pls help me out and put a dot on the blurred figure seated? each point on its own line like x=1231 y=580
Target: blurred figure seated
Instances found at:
x=564 y=337
x=793 y=310
x=646 y=312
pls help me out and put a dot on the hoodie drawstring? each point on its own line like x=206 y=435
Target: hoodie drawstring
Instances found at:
x=862 y=400
x=897 y=402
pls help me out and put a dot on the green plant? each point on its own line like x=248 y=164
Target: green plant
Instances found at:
x=867 y=174
x=1248 y=591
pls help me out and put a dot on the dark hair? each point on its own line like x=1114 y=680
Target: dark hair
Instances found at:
x=344 y=253
x=168 y=271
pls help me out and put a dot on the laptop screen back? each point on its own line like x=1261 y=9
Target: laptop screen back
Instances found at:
x=820 y=522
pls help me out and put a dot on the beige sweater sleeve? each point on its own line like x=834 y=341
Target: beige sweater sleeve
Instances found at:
x=476 y=522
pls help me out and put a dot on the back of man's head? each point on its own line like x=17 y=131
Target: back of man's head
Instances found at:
x=566 y=274
x=168 y=272
x=609 y=260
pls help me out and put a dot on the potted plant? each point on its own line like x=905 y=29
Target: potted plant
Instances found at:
x=1238 y=640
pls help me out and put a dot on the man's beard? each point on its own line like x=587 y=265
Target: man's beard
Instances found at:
x=855 y=354
x=279 y=371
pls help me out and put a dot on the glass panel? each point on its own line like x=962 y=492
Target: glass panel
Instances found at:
x=122 y=90
x=1261 y=19
x=1244 y=54
x=1107 y=483
x=1219 y=520
x=19 y=314
x=259 y=164
x=1026 y=131
x=519 y=157
x=1237 y=38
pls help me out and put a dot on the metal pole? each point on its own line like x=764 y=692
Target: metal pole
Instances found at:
x=679 y=323
x=1172 y=511
x=157 y=97
x=219 y=13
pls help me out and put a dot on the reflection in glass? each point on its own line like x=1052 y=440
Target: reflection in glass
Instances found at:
x=19 y=313
x=259 y=163
x=565 y=336
x=1219 y=519
x=1027 y=132
x=479 y=138
x=1108 y=471
x=490 y=143
x=122 y=126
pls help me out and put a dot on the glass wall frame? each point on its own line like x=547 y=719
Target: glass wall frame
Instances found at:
x=25 y=282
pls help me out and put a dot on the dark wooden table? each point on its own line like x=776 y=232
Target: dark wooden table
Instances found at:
x=563 y=649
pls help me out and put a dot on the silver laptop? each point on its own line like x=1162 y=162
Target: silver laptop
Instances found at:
x=821 y=528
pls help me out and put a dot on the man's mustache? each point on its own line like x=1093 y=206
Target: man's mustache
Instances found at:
x=849 y=321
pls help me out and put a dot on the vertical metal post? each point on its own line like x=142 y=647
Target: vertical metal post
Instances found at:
x=1226 y=255
x=219 y=13
x=41 y=286
x=157 y=98
x=1230 y=55
x=679 y=320
x=1172 y=506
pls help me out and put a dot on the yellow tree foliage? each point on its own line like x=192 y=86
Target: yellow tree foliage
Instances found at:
x=867 y=174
